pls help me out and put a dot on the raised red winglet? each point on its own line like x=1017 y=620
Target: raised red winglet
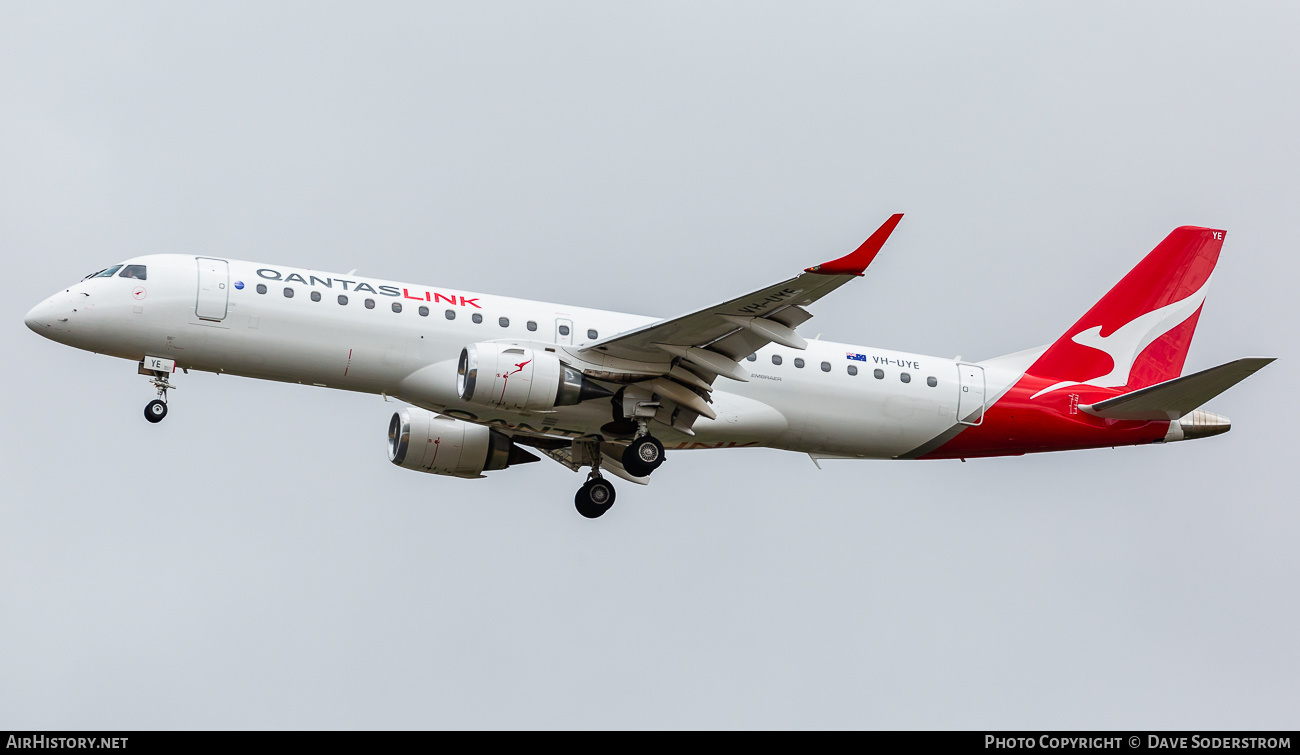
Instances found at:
x=856 y=262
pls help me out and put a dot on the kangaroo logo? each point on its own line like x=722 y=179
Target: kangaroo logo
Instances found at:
x=1127 y=342
x=505 y=379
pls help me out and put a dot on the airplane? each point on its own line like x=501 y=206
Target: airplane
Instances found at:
x=492 y=381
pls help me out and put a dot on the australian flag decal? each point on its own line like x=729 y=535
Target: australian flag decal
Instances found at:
x=858 y=357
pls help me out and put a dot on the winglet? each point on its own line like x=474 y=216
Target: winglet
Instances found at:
x=856 y=262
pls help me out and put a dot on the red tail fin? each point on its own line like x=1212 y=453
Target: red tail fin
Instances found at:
x=1139 y=333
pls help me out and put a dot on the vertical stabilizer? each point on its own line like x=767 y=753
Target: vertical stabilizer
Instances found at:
x=1139 y=333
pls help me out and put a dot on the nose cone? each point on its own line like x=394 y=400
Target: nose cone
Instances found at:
x=41 y=317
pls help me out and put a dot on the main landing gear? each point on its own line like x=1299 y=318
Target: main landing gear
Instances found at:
x=156 y=410
x=595 y=497
x=643 y=456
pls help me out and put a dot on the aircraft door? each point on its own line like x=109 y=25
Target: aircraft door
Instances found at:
x=564 y=332
x=970 y=401
x=214 y=289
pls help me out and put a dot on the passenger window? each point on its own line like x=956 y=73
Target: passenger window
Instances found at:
x=504 y=322
x=343 y=300
x=564 y=330
x=880 y=374
x=261 y=288
x=798 y=362
x=106 y=273
x=592 y=334
x=424 y=311
x=853 y=370
x=288 y=292
x=752 y=357
x=826 y=366
x=906 y=378
x=776 y=359
x=370 y=303
x=450 y=314
x=477 y=318
x=134 y=271
x=315 y=296
x=397 y=306
x=532 y=325
x=931 y=382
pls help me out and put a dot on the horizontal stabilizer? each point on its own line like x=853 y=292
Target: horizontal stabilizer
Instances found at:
x=1176 y=398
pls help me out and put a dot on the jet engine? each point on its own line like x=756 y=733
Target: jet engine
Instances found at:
x=517 y=378
x=428 y=442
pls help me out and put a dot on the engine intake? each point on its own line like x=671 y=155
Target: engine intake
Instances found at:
x=427 y=442
x=519 y=378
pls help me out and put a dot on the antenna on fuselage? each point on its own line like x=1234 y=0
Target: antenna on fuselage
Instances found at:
x=353 y=271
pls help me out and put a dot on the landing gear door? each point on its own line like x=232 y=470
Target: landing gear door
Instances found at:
x=970 y=401
x=214 y=289
x=563 y=332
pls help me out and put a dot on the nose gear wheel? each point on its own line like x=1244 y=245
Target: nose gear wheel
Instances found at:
x=155 y=410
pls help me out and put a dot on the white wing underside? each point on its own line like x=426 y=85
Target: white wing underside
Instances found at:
x=607 y=463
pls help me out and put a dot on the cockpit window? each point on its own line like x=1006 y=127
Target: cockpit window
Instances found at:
x=107 y=273
x=134 y=271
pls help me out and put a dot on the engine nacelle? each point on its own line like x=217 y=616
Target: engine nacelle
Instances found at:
x=427 y=442
x=519 y=378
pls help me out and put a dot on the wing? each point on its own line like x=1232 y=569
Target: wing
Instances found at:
x=713 y=340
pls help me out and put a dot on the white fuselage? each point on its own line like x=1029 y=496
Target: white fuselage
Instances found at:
x=411 y=354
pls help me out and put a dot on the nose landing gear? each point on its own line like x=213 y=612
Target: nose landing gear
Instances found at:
x=156 y=410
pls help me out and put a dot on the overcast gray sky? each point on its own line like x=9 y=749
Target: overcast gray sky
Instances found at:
x=255 y=561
